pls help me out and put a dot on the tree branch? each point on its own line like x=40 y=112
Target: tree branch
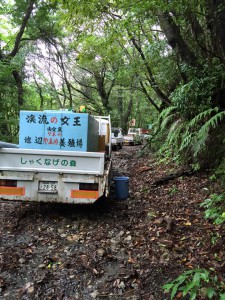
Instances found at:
x=148 y=97
x=22 y=29
x=152 y=82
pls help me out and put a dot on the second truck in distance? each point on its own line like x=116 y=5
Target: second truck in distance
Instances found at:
x=135 y=136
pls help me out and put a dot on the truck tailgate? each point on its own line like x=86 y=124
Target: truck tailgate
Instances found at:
x=52 y=161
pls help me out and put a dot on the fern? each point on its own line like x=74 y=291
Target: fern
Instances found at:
x=166 y=116
x=191 y=136
x=202 y=116
x=167 y=111
x=175 y=132
x=166 y=120
x=196 y=138
x=187 y=141
x=213 y=122
x=199 y=146
x=203 y=134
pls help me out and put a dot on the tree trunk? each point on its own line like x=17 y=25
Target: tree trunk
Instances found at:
x=175 y=39
x=124 y=116
x=127 y=115
x=19 y=85
x=101 y=88
x=216 y=25
x=39 y=89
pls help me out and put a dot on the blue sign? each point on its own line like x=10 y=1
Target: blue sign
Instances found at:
x=58 y=130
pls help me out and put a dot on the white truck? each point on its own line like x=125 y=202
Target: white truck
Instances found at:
x=135 y=136
x=57 y=175
x=116 y=138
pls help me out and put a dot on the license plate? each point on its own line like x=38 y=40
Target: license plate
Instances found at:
x=48 y=185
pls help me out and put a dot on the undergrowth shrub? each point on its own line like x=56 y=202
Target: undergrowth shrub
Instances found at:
x=202 y=283
x=198 y=142
x=196 y=283
x=219 y=172
x=215 y=208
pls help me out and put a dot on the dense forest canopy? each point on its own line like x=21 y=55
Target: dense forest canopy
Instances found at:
x=160 y=62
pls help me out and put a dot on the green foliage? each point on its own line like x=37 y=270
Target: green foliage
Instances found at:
x=169 y=135
x=197 y=282
x=167 y=116
x=194 y=97
x=173 y=190
x=199 y=128
x=215 y=238
x=87 y=46
x=219 y=172
x=190 y=138
x=190 y=98
x=215 y=208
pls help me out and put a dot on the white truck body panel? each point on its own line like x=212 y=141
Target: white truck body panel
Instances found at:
x=52 y=161
x=54 y=176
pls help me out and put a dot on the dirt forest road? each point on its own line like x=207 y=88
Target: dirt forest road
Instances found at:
x=123 y=249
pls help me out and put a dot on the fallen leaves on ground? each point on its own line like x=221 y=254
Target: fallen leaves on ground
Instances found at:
x=122 y=249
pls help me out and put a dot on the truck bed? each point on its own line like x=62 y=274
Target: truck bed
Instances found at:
x=53 y=176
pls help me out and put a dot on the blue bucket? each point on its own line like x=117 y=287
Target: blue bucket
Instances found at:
x=121 y=187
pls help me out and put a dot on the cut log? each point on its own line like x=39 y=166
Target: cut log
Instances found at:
x=165 y=179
